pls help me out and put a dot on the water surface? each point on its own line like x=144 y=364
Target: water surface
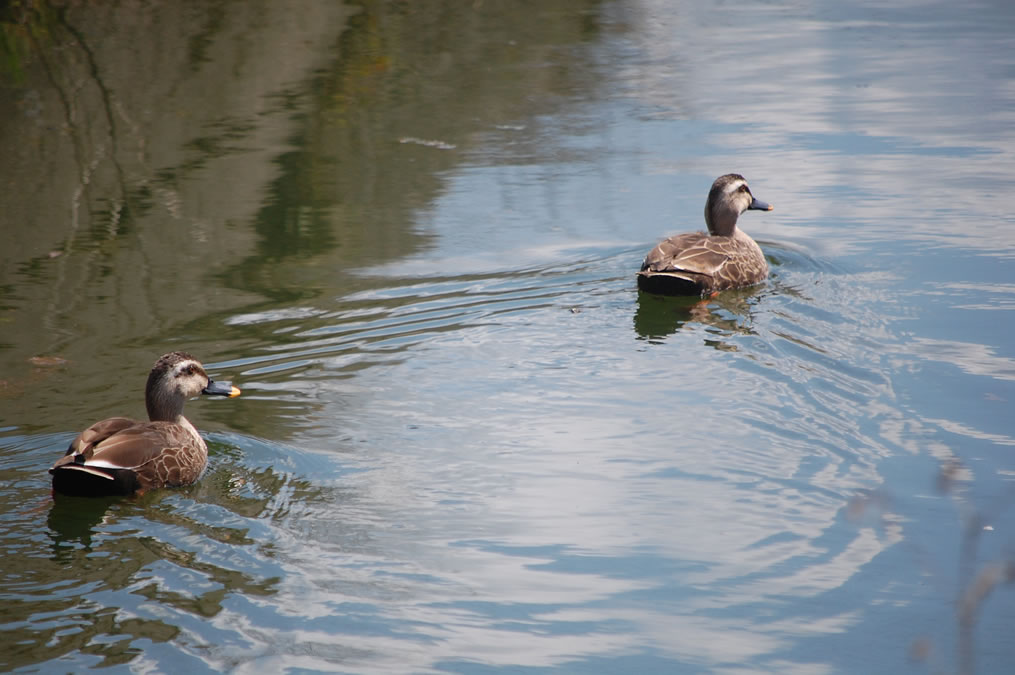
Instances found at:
x=466 y=442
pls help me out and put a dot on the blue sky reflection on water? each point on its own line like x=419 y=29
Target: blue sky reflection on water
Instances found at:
x=490 y=454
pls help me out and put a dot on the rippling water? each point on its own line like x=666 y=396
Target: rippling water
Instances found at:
x=468 y=444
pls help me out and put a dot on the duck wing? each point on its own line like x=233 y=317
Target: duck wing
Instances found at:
x=699 y=263
x=121 y=443
x=86 y=441
x=695 y=253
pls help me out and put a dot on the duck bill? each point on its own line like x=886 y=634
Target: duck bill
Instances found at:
x=758 y=205
x=220 y=389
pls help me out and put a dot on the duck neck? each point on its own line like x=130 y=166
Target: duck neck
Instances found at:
x=170 y=409
x=164 y=413
x=721 y=220
x=163 y=406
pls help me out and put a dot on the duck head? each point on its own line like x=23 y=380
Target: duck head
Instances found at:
x=175 y=377
x=729 y=197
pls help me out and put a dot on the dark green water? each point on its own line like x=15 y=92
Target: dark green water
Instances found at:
x=466 y=443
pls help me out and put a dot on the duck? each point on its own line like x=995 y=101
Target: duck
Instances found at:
x=122 y=456
x=700 y=263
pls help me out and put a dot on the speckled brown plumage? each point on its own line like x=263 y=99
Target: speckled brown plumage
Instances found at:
x=700 y=263
x=123 y=456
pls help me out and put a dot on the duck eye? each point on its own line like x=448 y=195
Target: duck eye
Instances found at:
x=743 y=188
